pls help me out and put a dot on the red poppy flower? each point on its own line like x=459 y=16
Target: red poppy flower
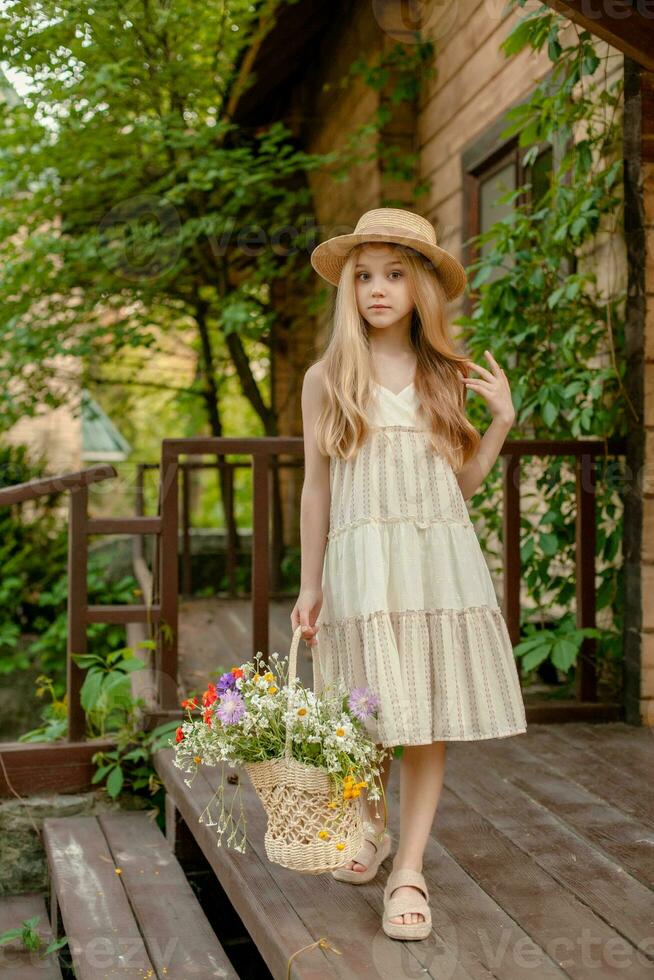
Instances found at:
x=237 y=672
x=179 y=734
x=210 y=695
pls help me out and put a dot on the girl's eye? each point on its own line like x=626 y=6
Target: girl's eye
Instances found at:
x=395 y=272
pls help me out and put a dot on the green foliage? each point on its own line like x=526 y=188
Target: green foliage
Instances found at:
x=129 y=189
x=33 y=592
x=51 y=623
x=397 y=74
x=29 y=936
x=27 y=533
x=558 y=332
x=110 y=709
x=54 y=715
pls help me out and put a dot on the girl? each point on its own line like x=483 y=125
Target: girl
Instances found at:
x=395 y=591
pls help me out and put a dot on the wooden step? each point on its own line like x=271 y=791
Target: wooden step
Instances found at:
x=16 y=962
x=282 y=910
x=126 y=905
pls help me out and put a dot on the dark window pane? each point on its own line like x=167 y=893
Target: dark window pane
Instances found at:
x=491 y=210
x=539 y=175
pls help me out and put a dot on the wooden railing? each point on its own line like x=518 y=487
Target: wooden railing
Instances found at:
x=262 y=452
x=80 y=527
x=161 y=609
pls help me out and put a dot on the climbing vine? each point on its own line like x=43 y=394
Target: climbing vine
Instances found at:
x=549 y=303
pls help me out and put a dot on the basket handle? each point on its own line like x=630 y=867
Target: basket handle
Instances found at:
x=292 y=673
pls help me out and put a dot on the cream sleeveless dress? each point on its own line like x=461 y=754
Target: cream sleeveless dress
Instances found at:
x=409 y=608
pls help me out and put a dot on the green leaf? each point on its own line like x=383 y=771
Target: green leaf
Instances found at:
x=115 y=782
x=564 y=654
x=549 y=543
x=535 y=657
x=100 y=773
x=550 y=413
x=91 y=689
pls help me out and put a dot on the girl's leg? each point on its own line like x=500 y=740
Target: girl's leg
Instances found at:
x=374 y=811
x=421 y=779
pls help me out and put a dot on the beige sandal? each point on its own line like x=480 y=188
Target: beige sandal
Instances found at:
x=382 y=843
x=406 y=903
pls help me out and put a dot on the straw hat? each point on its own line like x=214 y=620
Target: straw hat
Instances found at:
x=391 y=225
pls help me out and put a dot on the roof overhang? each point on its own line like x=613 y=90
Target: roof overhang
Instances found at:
x=617 y=21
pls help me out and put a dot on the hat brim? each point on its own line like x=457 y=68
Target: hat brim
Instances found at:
x=329 y=257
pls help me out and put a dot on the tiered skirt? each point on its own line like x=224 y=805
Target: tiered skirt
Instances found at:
x=409 y=607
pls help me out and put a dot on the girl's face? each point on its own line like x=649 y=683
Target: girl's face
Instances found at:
x=382 y=286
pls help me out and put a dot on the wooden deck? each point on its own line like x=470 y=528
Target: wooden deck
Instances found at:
x=540 y=864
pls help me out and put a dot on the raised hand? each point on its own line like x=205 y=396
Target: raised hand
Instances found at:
x=494 y=387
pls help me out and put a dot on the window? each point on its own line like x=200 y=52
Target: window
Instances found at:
x=492 y=179
x=491 y=167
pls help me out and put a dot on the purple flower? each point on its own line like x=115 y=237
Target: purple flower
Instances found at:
x=226 y=682
x=231 y=708
x=363 y=702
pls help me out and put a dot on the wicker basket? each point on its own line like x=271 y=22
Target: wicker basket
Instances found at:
x=295 y=798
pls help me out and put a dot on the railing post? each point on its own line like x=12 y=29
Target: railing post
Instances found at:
x=229 y=523
x=168 y=581
x=511 y=544
x=586 y=673
x=186 y=541
x=260 y=553
x=77 y=608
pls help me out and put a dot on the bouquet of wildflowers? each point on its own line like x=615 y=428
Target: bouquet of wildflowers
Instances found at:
x=253 y=714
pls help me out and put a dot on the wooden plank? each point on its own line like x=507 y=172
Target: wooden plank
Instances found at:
x=104 y=937
x=620 y=744
x=583 y=869
x=625 y=841
x=176 y=932
x=55 y=484
x=62 y=767
x=321 y=902
x=123 y=525
x=555 y=920
x=260 y=554
x=471 y=927
x=611 y=783
x=77 y=605
x=325 y=904
x=215 y=445
x=549 y=711
x=123 y=614
x=585 y=538
x=268 y=915
x=16 y=962
x=166 y=665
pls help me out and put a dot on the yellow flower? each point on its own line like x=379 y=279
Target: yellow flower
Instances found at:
x=302 y=711
x=256 y=677
x=197 y=758
x=340 y=732
x=269 y=677
x=272 y=689
x=340 y=846
x=347 y=795
x=356 y=793
x=360 y=785
x=324 y=834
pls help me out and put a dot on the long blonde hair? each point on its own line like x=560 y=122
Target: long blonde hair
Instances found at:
x=344 y=423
